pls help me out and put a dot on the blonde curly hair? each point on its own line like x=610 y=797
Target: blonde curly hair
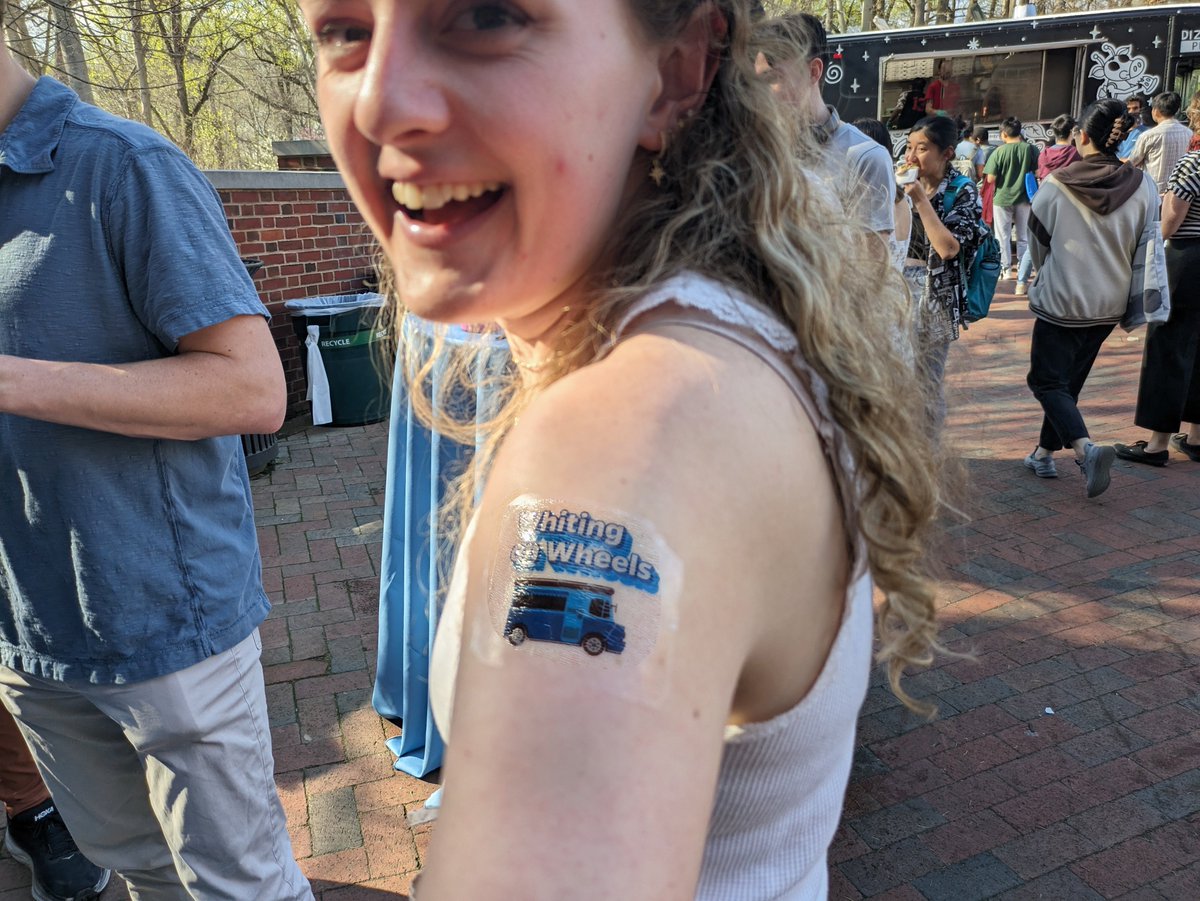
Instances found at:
x=742 y=204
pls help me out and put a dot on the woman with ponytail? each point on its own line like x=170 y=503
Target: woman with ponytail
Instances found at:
x=658 y=632
x=1087 y=221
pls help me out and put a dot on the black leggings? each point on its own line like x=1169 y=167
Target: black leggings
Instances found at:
x=1060 y=359
x=1169 y=389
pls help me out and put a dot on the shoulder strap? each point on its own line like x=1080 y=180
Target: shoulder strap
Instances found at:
x=948 y=199
x=951 y=194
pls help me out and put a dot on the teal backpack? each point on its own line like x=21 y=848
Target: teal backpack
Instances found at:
x=980 y=275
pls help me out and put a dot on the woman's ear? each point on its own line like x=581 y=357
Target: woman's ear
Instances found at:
x=687 y=66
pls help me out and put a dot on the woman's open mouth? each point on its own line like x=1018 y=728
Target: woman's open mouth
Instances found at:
x=446 y=204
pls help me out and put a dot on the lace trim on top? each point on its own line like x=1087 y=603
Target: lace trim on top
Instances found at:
x=698 y=292
x=692 y=290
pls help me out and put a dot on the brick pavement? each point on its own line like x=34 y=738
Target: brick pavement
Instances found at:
x=1090 y=609
x=1065 y=762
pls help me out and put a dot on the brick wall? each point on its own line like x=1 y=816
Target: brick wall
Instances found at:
x=311 y=240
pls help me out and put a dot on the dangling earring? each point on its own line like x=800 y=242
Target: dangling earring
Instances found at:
x=657 y=172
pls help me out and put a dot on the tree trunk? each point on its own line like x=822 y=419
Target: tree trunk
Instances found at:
x=867 y=21
x=19 y=40
x=139 y=60
x=918 y=13
x=170 y=29
x=74 y=61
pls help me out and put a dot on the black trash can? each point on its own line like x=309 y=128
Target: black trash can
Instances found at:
x=350 y=388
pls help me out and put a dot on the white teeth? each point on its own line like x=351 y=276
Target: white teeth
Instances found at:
x=434 y=197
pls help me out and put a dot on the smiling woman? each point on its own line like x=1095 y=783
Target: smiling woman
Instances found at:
x=707 y=367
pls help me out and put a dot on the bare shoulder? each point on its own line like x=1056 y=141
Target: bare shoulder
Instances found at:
x=663 y=410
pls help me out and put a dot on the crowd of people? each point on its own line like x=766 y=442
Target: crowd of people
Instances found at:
x=1105 y=214
x=670 y=237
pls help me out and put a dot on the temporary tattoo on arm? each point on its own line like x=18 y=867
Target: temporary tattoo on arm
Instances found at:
x=584 y=587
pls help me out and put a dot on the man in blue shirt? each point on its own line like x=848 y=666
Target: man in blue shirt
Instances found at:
x=1138 y=107
x=133 y=351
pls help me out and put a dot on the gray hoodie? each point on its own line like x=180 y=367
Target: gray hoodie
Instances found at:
x=1087 y=222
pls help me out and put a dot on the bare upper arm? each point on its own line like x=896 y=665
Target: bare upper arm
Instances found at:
x=241 y=338
x=1174 y=211
x=593 y=777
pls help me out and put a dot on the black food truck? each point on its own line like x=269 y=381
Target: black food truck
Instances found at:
x=1032 y=67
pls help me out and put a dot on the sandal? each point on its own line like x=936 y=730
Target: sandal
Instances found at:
x=1191 y=451
x=1137 y=453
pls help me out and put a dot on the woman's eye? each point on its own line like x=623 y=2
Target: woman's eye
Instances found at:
x=338 y=38
x=488 y=17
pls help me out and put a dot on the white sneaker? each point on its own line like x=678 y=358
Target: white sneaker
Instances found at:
x=1096 y=463
x=1043 y=467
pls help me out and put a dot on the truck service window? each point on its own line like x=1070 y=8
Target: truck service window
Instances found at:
x=985 y=88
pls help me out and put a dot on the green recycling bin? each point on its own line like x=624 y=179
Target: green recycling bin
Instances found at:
x=339 y=343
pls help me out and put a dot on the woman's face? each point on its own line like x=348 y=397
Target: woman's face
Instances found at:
x=930 y=159
x=488 y=145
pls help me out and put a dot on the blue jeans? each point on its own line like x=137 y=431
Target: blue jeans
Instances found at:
x=1025 y=268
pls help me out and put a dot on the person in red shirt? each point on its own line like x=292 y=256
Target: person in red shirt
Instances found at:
x=941 y=96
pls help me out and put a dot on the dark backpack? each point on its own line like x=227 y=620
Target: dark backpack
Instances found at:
x=982 y=272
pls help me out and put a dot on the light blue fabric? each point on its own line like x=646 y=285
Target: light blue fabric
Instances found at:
x=1125 y=148
x=1025 y=268
x=121 y=559
x=412 y=578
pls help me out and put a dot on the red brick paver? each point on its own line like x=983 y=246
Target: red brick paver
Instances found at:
x=1065 y=762
x=1088 y=608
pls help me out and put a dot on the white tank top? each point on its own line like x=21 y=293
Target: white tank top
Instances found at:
x=781 y=782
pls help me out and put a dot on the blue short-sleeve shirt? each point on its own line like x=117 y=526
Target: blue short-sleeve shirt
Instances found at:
x=121 y=559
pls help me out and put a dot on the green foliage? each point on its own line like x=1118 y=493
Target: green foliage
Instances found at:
x=221 y=78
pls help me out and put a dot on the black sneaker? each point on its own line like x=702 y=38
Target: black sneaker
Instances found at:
x=39 y=839
x=1180 y=443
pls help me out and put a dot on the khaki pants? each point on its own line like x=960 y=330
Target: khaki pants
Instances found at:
x=170 y=782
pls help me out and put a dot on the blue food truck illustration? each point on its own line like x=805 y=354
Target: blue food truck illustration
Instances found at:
x=576 y=613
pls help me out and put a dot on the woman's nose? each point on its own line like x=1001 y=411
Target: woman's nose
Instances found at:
x=401 y=94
